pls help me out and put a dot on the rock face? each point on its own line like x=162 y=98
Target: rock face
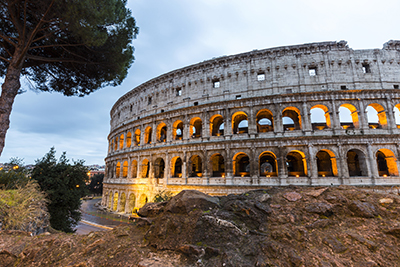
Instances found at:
x=336 y=226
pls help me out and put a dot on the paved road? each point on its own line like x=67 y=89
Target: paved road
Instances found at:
x=84 y=229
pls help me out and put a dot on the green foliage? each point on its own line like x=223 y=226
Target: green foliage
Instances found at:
x=72 y=47
x=64 y=184
x=23 y=208
x=96 y=184
x=162 y=196
x=13 y=174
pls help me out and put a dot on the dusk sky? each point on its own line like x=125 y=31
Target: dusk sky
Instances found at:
x=178 y=33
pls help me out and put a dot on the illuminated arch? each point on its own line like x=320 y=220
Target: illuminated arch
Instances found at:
x=177 y=130
x=161 y=132
x=241 y=164
x=176 y=167
x=159 y=168
x=296 y=163
x=115 y=202
x=291 y=119
x=145 y=168
x=396 y=111
x=121 y=141
x=356 y=163
x=265 y=121
x=267 y=164
x=128 y=139
x=320 y=118
x=217 y=125
x=122 y=203
x=386 y=163
x=196 y=166
x=134 y=169
x=131 y=203
x=125 y=169
x=118 y=170
x=115 y=143
x=137 y=137
x=218 y=165
x=110 y=200
x=326 y=163
x=147 y=135
x=348 y=116
x=196 y=127
x=239 y=123
x=376 y=116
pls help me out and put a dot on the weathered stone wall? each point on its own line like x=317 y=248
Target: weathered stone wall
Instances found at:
x=166 y=134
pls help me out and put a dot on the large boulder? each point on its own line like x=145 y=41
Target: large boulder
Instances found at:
x=152 y=209
x=189 y=200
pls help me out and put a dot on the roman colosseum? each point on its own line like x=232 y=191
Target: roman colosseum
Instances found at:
x=311 y=114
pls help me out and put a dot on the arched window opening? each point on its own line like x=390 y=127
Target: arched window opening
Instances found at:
x=268 y=165
x=118 y=170
x=115 y=143
x=137 y=137
x=386 y=162
x=291 y=119
x=177 y=167
x=241 y=165
x=348 y=116
x=397 y=115
x=110 y=200
x=320 y=118
x=178 y=130
x=218 y=165
x=217 y=125
x=147 y=135
x=122 y=203
x=134 y=169
x=145 y=168
x=356 y=163
x=196 y=166
x=296 y=164
x=326 y=163
x=239 y=123
x=162 y=133
x=121 y=141
x=143 y=200
x=115 y=202
x=131 y=203
x=376 y=116
x=264 y=121
x=125 y=169
x=196 y=126
x=129 y=139
x=159 y=168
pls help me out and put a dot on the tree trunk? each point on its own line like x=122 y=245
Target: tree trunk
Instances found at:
x=9 y=91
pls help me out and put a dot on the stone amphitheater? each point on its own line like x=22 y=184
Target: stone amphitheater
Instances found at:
x=312 y=114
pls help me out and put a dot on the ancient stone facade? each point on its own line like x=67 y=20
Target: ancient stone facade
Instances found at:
x=312 y=114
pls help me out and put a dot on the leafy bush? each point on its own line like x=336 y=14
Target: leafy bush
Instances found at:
x=13 y=174
x=162 y=196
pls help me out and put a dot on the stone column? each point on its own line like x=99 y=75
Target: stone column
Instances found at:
x=362 y=116
x=391 y=119
x=167 y=171
x=342 y=168
x=227 y=123
x=184 y=166
x=373 y=167
x=278 y=123
x=228 y=167
x=313 y=168
x=205 y=125
x=306 y=122
x=252 y=122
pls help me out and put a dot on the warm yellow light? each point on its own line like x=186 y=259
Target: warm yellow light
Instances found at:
x=15 y=167
x=267 y=175
x=323 y=175
x=88 y=174
x=223 y=175
x=384 y=175
x=242 y=175
x=77 y=185
x=297 y=176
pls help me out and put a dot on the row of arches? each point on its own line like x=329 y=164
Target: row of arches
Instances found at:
x=294 y=164
x=123 y=202
x=291 y=120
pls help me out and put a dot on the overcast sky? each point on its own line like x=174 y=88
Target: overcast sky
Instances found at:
x=178 y=33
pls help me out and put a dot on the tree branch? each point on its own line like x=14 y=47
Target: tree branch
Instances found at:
x=64 y=60
x=5 y=38
x=60 y=45
x=3 y=58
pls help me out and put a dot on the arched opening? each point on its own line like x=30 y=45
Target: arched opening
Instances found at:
x=240 y=123
x=125 y=169
x=121 y=141
x=291 y=119
x=217 y=125
x=348 y=116
x=143 y=200
x=128 y=139
x=134 y=169
x=218 y=165
x=137 y=137
x=196 y=168
x=147 y=135
x=265 y=121
x=131 y=203
x=268 y=164
x=159 y=168
x=376 y=116
x=196 y=127
x=176 y=167
x=320 y=118
x=110 y=200
x=296 y=163
x=115 y=202
x=122 y=203
x=177 y=131
x=356 y=163
x=118 y=170
x=241 y=165
x=145 y=168
x=386 y=162
x=326 y=163
x=396 y=110
x=162 y=133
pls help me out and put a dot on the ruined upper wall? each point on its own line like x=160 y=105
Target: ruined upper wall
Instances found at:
x=315 y=67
